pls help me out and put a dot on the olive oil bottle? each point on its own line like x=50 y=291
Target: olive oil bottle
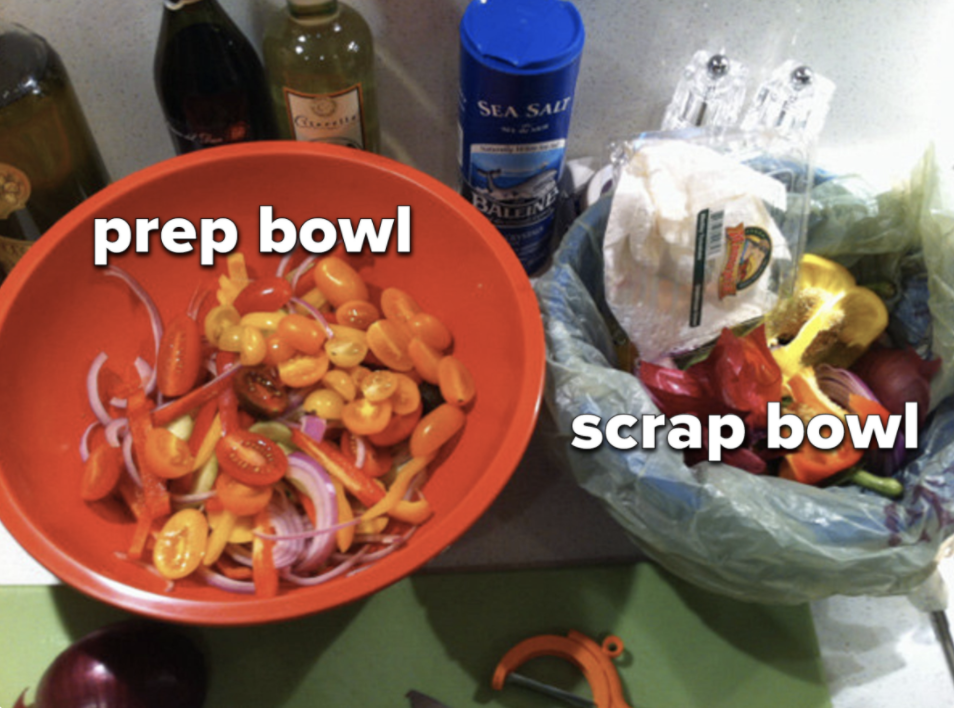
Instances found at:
x=319 y=57
x=49 y=161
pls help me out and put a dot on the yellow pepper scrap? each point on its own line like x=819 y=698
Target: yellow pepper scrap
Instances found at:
x=232 y=284
x=829 y=318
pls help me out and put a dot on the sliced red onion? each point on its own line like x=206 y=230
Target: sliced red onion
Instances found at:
x=314 y=427
x=361 y=452
x=286 y=521
x=115 y=430
x=146 y=378
x=130 y=462
x=196 y=498
x=301 y=270
x=155 y=320
x=313 y=311
x=92 y=389
x=84 y=441
x=316 y=483
x=389 y=548
x=334 y=572
x=838 y=384
x=218 y=580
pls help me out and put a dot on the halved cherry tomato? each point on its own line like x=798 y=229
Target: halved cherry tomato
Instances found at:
x=101 y=472
x=263 y=295
x=379 y=385
x=377 y=462
x=398 y=305
x=364 y=417
x=303 y=370
x=338 y=281
x=357 y=313
x=389 y=342
x=218 y=319
x=302 y=333
x=430 y=330
x=260 y=392
x=407 y=397
x=347 y=347
x=251 y=459
x=179 y=360
x=241 y=499
x=435 y=429
x=167 y=455
x=455 y=381
x=400 y=428
x=342 y=383
x=180 y=544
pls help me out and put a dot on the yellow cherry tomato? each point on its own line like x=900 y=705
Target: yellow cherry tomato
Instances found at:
x=435 y=429
x=388 y=341
x=303 y=370
x=430 y=330
x=338 y=281
x=455 y=381
x=348 y=347
x=180 y=544
x=364 y=417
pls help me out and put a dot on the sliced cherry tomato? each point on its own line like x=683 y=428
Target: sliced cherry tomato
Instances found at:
x=455 y=381
x=430 y=330
x=398 y=305
x=241 y=499
x=180 y=357
x=251 y=459
x=180 y=544
x=379 y=385
x=364 y=417
x=260 y=392
x=399 y=429
x=435 y=429
x=347 y=347
x=303 y=370
x=389 y=342
x=342 y=383
x=338 y=281
x=218 y=319
x=167 y=455
x=263 y=295
x=302 y=333
x=377 y=462
x=407 y=398
x=357 y=313
x=101 y=472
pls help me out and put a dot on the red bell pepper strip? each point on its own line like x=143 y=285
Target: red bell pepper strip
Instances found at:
x=192 y=400
x=155 y=494
x=352 y=478
x=264 y=573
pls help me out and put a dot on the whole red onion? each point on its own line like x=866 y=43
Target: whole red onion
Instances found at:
x=132 y=664
x=898 y=376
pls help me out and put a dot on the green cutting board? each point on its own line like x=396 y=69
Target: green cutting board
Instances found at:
x=442 y=634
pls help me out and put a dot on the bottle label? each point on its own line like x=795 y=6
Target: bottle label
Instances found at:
x=14 y=190
x=327 y=117
x=11 y=250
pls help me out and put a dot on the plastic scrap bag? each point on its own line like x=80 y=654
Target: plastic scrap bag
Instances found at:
x=755 y=538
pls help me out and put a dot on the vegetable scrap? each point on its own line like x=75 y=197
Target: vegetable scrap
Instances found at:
x=280 y=437
x=820 y=352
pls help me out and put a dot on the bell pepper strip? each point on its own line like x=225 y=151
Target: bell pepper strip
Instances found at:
x=206 y=448
x=134 y=497
x=829 y=318
x=204 y=419
x=219 y=538
x=264 y=573
x=194 y=399
x=156 y=495
x=352 y=478
x=395 y=494
x=228 y=411
x=232 y=284
x=344 y=536
x=231 y=569
x=809 y=465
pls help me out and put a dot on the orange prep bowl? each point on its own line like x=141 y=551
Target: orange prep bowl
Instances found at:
x=58 y=311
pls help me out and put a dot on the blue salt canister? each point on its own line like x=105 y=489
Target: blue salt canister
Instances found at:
x=518 y=67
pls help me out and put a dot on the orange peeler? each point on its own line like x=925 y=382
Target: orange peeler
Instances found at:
x=594 y=660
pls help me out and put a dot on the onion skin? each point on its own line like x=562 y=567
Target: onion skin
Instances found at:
x=132 y=664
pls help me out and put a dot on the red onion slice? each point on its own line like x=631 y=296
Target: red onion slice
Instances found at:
x=155 y=320
x=84 y=441
x=313 y=311
x=92 y=389
x=246 y=587
x=335 y=572
x=315 y=482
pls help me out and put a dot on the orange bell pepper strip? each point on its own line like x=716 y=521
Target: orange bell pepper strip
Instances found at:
x=352 y=478
x=344 y=536
x=393 y=503
x=264 y=573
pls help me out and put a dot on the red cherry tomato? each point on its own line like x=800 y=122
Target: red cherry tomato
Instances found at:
x=260 y=392
x=241 y=499
x=101 y=472
x=180 y=357
x=167 y=455
x=251 y=459
x=263 y=295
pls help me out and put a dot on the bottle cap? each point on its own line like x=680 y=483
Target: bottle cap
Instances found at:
x=523 y=36
x=710 y=93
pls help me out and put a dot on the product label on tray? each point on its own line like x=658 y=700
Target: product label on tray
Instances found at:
x=328 y=118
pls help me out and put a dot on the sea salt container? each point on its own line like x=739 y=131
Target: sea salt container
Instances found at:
x=519 y=63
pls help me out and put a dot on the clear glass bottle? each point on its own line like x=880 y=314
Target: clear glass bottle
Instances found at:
x=49 y=161
x=319 y=57
x=209 y=78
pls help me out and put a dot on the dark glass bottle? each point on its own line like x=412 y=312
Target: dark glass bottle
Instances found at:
x=49 y=161
x=210 y=80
